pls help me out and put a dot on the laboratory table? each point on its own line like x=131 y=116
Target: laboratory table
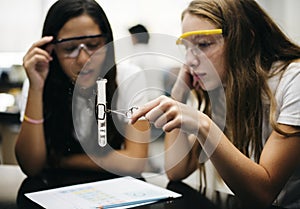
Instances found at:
x=191 y=198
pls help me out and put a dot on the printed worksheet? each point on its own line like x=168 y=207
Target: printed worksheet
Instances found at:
x=124 y=192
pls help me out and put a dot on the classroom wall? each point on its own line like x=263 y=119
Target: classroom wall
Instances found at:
x=286 y=14
x=21 y=20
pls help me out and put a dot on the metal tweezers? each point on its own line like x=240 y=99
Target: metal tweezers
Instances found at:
x=126 y=112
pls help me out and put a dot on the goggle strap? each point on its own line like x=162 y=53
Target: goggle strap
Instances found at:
x=198 y=32
x=77 y=38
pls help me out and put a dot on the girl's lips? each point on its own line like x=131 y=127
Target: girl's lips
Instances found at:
x=85 y=76
x=85 y=72
x=197 y=78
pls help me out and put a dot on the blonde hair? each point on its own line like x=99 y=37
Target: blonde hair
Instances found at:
x=253 y=42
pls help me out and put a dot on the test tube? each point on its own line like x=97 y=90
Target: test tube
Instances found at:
x=101 y=107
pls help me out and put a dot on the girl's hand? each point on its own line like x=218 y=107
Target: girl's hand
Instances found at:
x=183 y=84
x=36 y=62
x=169 y=114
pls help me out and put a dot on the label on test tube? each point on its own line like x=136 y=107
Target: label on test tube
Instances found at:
x=101 y=107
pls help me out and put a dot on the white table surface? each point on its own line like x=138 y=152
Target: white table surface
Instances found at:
x=11 y=178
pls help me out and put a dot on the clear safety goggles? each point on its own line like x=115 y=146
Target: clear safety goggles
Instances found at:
x=71 y=47
x=200 y=41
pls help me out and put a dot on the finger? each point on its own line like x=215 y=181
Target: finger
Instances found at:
x=49 y=48
x=186 y=68
x=43 y=42
x=157 y=113
x=36 y=52
x=142 y=111
x=41 y=66
x=35 y=66
x=161 y=121
x=42 y=46
x=171 y=125
x=166 y=114
x=35 y=60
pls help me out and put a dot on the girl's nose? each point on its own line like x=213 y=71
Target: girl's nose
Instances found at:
x=191 y=60
x=83 y=55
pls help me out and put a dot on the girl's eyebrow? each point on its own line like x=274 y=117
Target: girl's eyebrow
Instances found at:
x=197 y=37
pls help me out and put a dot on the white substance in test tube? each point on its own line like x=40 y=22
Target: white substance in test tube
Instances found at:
x=101 y=105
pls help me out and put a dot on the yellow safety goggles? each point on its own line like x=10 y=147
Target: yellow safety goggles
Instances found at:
x=198 y=32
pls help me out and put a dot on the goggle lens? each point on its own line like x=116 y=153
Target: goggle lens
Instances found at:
x=71 y=47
